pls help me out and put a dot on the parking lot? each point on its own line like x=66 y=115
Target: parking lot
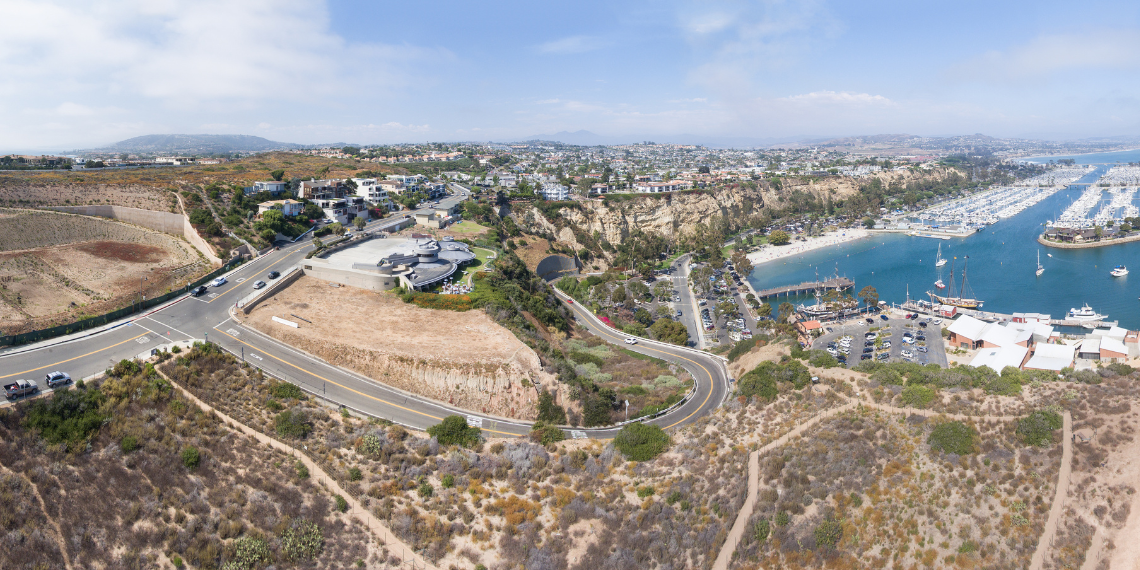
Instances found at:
x=893 y=331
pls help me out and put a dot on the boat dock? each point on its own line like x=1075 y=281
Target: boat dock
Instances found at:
x=991 y=317
x=836 y=284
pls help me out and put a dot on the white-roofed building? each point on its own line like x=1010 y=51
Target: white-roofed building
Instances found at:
x=1089 y=348
x=1052 y=357
x=966 y=332
x=1112 y=349
x=998 y=357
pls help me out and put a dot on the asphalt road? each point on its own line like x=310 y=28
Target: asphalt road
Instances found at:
x=207 y=317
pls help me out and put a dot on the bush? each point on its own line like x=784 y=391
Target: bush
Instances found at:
x=190 y=457
x=1003 y=386
x=821 y=359
x=129 y=443
x=646 y=491
x=953 y=437
x=674 y=497
x=341 y=504
x=176 y=560
x=1037 y=428
x=828 y=533
x=293 y=424
x=302 y=541
x=69 y=416
x=762 y=529
x=548 y=411
x=741 y=348
x=782 y=518
x=354 y=474
x=453 y=430
x=918 y=396
x=425 y=489
x=546 y=434
x=448 y=481
x=249 y=552
x=763 y=381
x=641 y=442
x=301 y=469
x=285 y=391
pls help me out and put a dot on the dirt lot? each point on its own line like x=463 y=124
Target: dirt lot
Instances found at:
x=25 y=193
x=58 y=267
x=461 y=358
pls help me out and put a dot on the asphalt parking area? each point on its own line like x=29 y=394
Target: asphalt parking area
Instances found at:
x=893 y=331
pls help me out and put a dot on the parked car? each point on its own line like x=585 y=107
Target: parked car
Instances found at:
x=258 y=284
x=219 y=282
x=197 y=291
x=20 y=388
x=273 y=275
x=865 y=357
x=870 y=321
x=907 y=354
x=923 y=325
x=58 y=379
x=886 y=344
x=922 y=349
x=937 y=321
x=884 y=317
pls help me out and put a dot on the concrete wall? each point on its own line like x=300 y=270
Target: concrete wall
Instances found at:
x=165 y=222
x=321 y=269
x=555 y=267
x=290 y=275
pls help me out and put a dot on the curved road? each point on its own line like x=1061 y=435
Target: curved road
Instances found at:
x=207 y=317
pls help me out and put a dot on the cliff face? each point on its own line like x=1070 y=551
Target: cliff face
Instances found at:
x=668 y=215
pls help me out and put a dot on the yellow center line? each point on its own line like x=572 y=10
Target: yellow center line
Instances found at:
x=347 y=388
x=711 y=379
x=75 y=358
x=270 y=267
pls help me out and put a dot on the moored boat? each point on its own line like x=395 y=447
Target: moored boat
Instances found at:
x=1119 y=271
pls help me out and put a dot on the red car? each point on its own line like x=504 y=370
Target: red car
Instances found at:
x=569 y=301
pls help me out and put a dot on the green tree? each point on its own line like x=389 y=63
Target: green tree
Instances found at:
x=785 y=312
x=779 y=237
x=453 y=430
x=278 y=174
x=869 y=296
x=618 y=295
x=190 y=457
x=670 y=331
x=359 y=223
x=641 y=442
x=337 y=228
x=548 y=411
x=868 y=222
x=273 y=220
x=764 y=310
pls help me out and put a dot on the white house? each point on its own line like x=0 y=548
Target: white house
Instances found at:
x=343 y=210
x=555 y=192
x=272 y=186
x=657 y=187
x=370 y=189
x=289 y=208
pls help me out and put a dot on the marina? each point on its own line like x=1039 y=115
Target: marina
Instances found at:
x=1007 y=272
x=833 y=284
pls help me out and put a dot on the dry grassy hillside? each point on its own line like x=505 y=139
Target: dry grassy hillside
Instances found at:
x=128 y=475
x=56 y=268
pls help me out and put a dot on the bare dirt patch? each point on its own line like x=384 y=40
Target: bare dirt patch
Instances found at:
x=130 y=252
x=464 y=358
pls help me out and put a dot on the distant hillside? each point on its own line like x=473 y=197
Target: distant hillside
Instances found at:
x=194 y=144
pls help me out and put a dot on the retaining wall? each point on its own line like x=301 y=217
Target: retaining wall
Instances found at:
x=165 y=222
x=292 y=274
x=556 y=266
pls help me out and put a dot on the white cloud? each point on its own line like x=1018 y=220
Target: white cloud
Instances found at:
x=174 y=58
x=571 y=45
x=1046 y=56
x=816 y=98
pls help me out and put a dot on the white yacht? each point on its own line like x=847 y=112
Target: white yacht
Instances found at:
x=1085 y=313
x=1119 y=271
x=1040 y=268
x=939 y=262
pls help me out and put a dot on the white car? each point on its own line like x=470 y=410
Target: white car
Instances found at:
x=937 y=321
x=258 y=284
x=907 y=354
x=219 y=282
x=631 y=340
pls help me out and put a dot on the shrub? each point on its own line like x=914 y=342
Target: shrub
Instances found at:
x=918 y=396
x=741 y=348
x=646 y=491
x=641 y=442
x=763 y=381
x=782 y=518
x=354 y=474
x=69 y=416
x=448 y=481
x=249 y=552
x=341 y=504
x=176 y=560
x=453 y=430
x=285 y=391
x=545 y=434
x=302 y=541
x=1037 y=428
x=301 y=469
x=821 y=359
x=425 y=489
x=175 y=349
x=293 y=424
x=761 y=530
x=673 y=497
x=548 y=411
x=129 y=443
x=828 y=533
x=190 y=457
x=953 y=437
x=274 y=405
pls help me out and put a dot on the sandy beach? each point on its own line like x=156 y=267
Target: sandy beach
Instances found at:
x=774 y=252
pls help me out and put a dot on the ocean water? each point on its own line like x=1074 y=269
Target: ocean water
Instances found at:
x=1002 y=262
x=1121 y=156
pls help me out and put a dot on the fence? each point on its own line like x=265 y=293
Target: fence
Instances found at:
x=99 y=320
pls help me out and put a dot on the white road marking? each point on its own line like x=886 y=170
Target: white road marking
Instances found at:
x=240 y=279
x=474 y=421
x=233 y=332
x=142 y=339
x=255 y=356
x=575 y=434
x=212 y=295
x=171 y=328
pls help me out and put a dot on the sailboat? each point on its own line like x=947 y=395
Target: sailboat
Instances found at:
x=938 y=261
x=1040 y=268
x=964 y=300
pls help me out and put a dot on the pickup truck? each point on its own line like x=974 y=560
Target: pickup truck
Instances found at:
x=21 y=388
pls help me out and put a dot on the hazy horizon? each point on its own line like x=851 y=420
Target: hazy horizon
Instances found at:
x=311 y=71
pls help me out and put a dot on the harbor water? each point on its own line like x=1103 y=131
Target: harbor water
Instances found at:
x=1002 y=265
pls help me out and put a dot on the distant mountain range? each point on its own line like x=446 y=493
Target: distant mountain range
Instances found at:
x=193 y=145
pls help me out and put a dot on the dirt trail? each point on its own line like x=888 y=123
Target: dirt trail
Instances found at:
x=374 y=524
x=54 y=524
x=1059 y=497
x=729 y=546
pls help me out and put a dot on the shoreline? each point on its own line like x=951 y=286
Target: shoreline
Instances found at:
x=775 y=252
x=1086 y=245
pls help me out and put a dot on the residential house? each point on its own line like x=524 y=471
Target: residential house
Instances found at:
x=657 y=187
x=274 y=187
x=555 y=192
x=324 y=189
x=373 y=191
x=289 y=208
x=343 y=210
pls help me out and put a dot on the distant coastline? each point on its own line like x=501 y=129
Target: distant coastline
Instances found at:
x=1086 y=245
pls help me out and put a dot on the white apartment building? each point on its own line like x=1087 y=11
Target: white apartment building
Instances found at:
x=343 y=210
x=656 y=187
x=372 y=190
x=555 y=192
x=272 y=186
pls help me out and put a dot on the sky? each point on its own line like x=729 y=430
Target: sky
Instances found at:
x=83 y=74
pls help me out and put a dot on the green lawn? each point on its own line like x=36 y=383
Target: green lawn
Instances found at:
x=481 y=257
x=466 y=227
